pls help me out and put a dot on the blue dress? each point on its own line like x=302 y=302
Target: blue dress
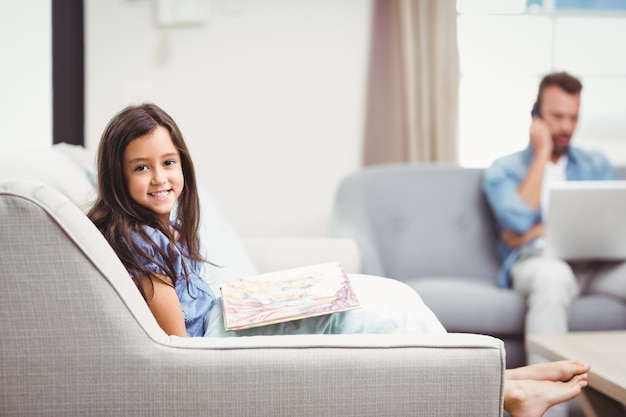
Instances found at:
x=196 y=298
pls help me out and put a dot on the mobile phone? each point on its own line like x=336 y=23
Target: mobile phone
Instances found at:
x=536 y=111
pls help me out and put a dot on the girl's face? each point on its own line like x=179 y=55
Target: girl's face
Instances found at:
x=153 y=172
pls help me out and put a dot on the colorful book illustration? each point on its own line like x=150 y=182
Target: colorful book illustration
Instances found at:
x=287 y=295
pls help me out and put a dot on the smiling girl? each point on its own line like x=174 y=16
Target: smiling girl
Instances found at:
x=144 y=170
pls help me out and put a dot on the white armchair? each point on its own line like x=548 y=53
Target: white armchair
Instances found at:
x=78 y=339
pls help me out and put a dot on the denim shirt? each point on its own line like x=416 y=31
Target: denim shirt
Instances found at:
x=500 y=183
x=195 y=294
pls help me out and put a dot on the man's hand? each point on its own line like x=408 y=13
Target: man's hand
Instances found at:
x=540 y=138
x=514 y=240
x=541 y=142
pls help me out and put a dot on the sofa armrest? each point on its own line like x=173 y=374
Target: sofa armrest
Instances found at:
x=350 y=375
x=275 y=254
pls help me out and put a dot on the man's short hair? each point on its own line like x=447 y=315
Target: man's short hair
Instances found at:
x=563 y=80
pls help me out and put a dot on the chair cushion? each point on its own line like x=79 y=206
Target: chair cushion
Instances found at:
x=472 y=307
x=53 y=168
x=417 y=220
x=221 y=246
x=597 y=312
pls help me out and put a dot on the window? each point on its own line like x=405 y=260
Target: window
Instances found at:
x=506 y=46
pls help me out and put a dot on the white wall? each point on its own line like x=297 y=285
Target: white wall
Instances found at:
x=269 y=94
x=25 y=75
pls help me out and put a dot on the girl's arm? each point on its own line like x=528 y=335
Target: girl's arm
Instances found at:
x=165 y=306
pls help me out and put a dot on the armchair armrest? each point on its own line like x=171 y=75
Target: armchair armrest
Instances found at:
x=433 y=375
x=275 y=254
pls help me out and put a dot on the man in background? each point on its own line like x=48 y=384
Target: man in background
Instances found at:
x=517 y=189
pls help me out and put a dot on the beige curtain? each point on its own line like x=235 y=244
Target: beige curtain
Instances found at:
x=412 y=106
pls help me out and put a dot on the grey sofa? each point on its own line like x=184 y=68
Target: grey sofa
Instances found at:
x=429 y=225
x=78 y=339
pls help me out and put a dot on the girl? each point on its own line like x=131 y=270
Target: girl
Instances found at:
x=145 y=172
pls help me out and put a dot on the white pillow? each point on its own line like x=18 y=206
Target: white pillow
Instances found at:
x=221 y=246
x=52 y=167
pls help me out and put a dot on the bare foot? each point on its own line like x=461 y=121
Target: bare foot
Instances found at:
x=531 y=398
x=550 y=371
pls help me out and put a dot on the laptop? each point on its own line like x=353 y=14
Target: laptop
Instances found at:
x=586 y=220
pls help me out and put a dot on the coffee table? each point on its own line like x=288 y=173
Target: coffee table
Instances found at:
x=606 y=352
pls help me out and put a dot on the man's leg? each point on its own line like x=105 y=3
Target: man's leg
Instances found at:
x=550 y=287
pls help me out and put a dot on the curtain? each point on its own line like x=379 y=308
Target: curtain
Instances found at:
x=413 y=81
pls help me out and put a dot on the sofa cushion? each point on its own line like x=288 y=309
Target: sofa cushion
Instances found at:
x=414 y=220
x=51 y=167
x=485 y=308
x=597 y=312
x=221 y=245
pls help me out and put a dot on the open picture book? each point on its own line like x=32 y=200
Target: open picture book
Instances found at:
x=287 y=295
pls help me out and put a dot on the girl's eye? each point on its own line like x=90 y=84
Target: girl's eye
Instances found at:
x=169 y=162
x=140 y=168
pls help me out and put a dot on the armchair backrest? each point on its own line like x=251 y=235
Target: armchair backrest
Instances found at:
x=418 y=220
x=67 y=305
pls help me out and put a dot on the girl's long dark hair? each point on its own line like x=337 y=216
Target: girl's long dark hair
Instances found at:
x=117 y=215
